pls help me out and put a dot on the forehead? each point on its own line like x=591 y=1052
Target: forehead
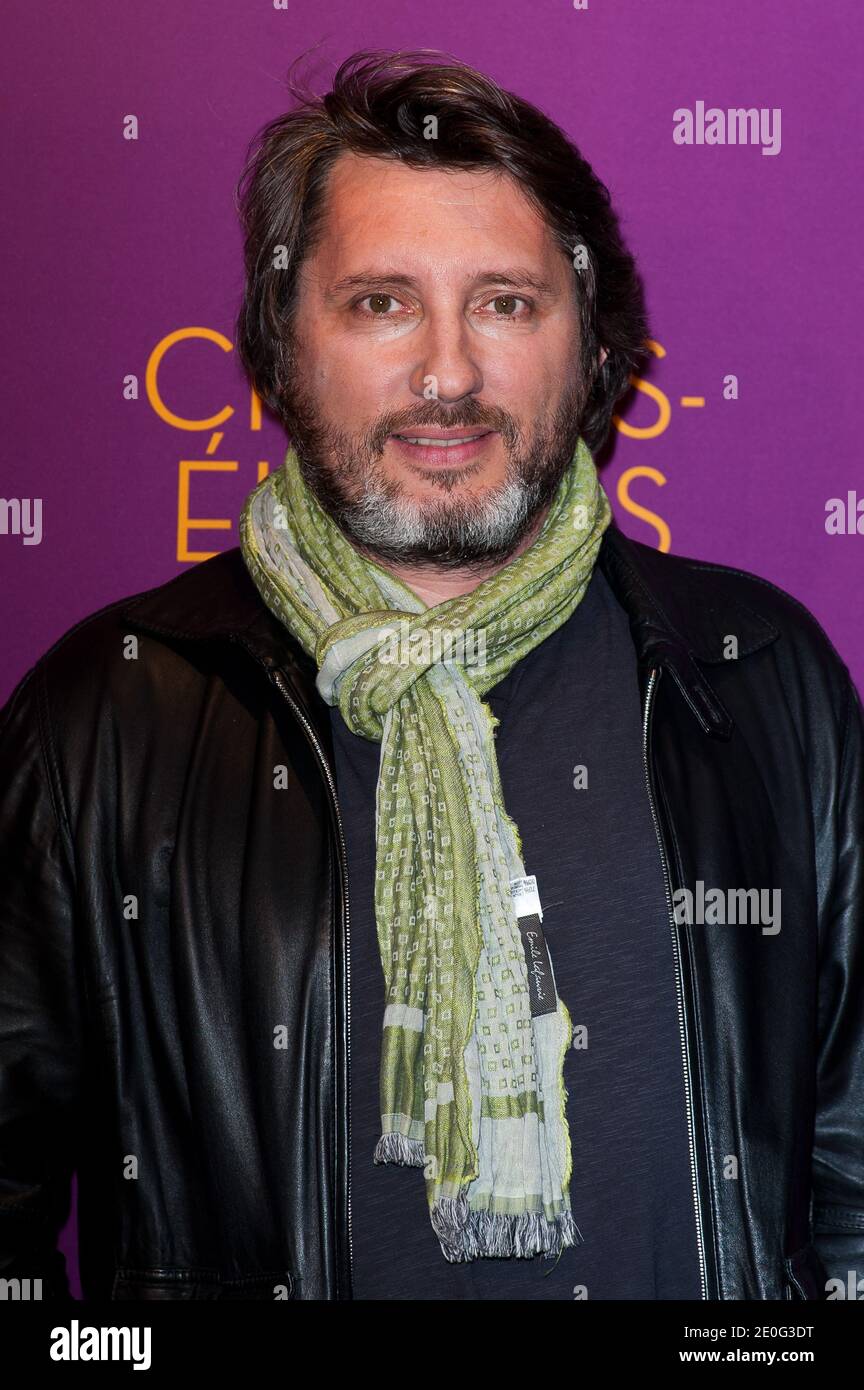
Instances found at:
x=437 y=217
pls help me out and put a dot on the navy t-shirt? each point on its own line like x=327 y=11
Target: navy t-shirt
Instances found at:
x=572 y=703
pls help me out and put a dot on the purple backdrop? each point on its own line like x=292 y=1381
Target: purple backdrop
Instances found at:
x=115 y=246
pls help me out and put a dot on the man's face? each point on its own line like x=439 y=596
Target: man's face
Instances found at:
x=434 y=304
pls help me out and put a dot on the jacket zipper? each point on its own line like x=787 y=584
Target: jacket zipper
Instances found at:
x=279 y=680
x=688 y=1084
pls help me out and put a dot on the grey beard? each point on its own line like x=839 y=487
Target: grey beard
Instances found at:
x=403 y=528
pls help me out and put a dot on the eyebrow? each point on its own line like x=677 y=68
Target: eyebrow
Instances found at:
x=515 y=277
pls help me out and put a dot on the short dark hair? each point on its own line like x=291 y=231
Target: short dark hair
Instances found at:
x=379 y=105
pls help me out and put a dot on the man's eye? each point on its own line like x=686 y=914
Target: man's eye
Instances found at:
x=504 y=306
x=379 y=303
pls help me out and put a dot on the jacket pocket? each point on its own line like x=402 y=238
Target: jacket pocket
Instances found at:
x=162 y=1284
x=806 y=1276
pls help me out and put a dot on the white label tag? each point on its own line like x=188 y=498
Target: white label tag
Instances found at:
x=526 y=899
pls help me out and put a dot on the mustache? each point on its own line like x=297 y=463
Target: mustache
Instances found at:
x=469 y=414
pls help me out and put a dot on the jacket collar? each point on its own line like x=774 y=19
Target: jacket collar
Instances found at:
x=674 y=623
x=682 y=611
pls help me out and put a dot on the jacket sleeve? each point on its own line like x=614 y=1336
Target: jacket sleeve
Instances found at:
x=39 y=1013
x=838 y=1152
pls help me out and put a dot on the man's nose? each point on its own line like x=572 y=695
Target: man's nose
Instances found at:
x=447 y=366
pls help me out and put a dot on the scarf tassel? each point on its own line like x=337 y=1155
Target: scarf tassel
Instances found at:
x=469 y=1235
x=397 y=1148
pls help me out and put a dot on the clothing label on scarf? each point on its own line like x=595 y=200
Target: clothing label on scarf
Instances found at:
x=541 y=988
x=526 y=898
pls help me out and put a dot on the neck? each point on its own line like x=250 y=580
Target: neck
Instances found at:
x=434 y=585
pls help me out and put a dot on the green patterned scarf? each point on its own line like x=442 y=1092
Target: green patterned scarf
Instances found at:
x=474 y=1033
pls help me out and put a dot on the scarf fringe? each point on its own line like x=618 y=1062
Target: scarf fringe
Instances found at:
x=396 y=1148
x=470 y=1235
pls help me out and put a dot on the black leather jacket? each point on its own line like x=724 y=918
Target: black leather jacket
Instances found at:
x=175 y=1005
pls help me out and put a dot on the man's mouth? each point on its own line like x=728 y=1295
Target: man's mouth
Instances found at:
x=448 y=441
x=442 y=448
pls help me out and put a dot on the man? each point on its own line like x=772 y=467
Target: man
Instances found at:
x=440 y=895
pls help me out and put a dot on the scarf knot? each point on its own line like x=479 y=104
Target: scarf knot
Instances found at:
x=368 y=662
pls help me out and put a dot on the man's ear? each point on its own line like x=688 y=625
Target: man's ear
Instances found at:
x=603 y=355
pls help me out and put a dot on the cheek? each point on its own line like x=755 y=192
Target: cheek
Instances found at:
x=521 y=388
x=544 y=379
x=348 y=392
x=361 y=385
x=530 y=369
